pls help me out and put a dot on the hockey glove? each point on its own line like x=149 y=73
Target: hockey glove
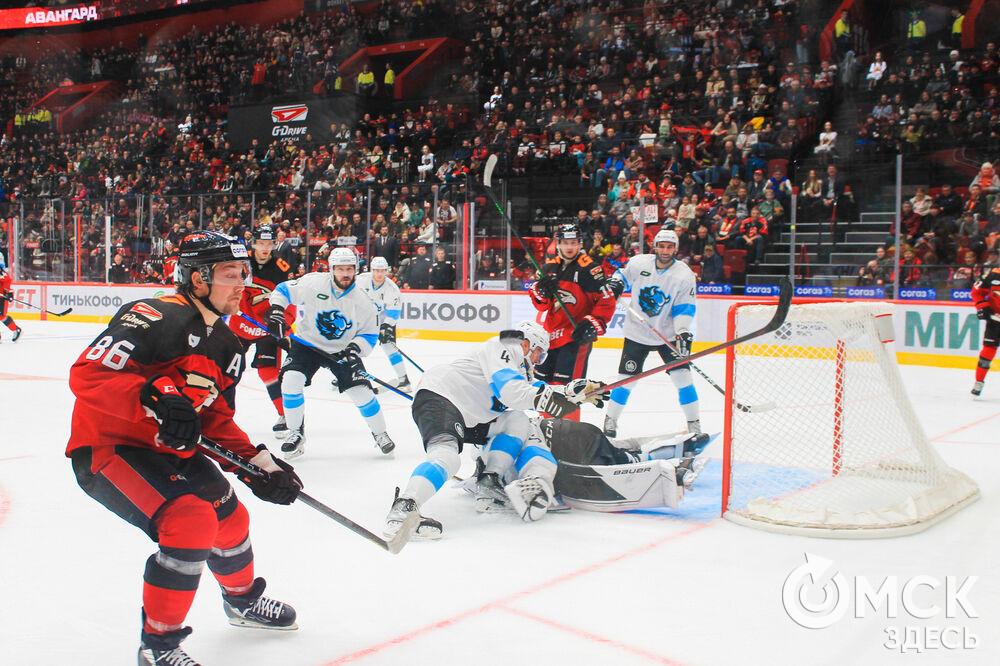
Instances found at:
x=277 y=325
x=553 y=403
x=983 y=313
x=577 y=391
x=682 y=343
x=587 y=330
x=180 y=427
x=9 y=296
x=387 y=334
x=616 y=286
x=350 y=359
x=280 y=484
x=547 y=286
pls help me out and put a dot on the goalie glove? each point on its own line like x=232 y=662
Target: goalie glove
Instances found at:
x=553 y=403
x=682 y=343
x=577 y=391
x=280 y=484
x=589 y=328
x=387 y=334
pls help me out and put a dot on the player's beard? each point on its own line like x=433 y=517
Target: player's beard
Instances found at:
x=344 y=283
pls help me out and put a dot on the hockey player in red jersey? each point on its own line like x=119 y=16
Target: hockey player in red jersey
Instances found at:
x=161 y=374
x=986 y=296
x=6 y=296
x=268 y=272
x=580 y=285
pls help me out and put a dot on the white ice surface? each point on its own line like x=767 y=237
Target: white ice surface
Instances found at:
x=682 y=587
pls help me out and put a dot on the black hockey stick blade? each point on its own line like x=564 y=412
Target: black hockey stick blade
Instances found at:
x=780 y=313
x=54 y=314
x=393 y=545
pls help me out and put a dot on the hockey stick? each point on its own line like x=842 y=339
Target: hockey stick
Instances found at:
x=407 y=357
x=763 y=407
x=401 y=352
x=780 y=312
x=393 y=545
x=328 y=356
x=491 y=164
x=54 y=314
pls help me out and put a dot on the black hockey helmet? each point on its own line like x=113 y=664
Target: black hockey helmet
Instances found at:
x=264 y=232
x=203 y=250
x=569 y=230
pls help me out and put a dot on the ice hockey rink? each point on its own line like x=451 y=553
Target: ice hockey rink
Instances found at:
x=670 y=587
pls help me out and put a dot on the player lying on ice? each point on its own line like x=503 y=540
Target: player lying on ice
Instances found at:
x=479 y=399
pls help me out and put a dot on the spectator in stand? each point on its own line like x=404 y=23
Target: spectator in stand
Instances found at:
x=119 y=272
x=949 y=201
x=442 y=271
x=772 y=211
x=386 y=246
x=729 y=229
x=826 y=149
x=615 y=260
x=365 y=84
x=752 y=236
x=876 y=70
x=877 y=271
x=921 y=202
x=965 y=274
x=913 y=224
x=911 y=273
x=976 y=203
x=599 y=248
x=415 y=270
x=701 y=238
x=712 y=268
x=986 y=179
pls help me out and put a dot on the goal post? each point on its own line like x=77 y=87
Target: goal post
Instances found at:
x=841 y=453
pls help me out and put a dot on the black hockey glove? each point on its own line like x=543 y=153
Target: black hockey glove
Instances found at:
x=280 y=484
x=587 y=330
x=387 y=334
x=350 y=359
x=617 y=287
x=553 y=403
x=682 y=343
x=983 y=313
x=277 y=325
x=547 y=286
x=8 y=296
x=180 y=427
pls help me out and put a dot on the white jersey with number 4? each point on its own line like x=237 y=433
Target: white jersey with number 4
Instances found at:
x=386 y=297
x=665 y=296
x=485 y=383
x=329 y=318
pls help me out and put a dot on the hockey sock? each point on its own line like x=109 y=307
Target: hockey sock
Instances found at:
x=187 y=527
x=618 y=398
x=367 y=404
x=536 y=461
x=293 y=401
x=270 y=378
x=398 y=366
x=10 y=323
x=231 y=558
x=502 y=452
x=986 y=357
x=441 y=464
x=686 y=393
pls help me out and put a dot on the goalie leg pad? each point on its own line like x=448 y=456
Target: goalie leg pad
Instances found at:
x=619 y=487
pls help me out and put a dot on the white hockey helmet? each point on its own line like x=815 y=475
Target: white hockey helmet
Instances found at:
x=665 y=236
x=379 y=264
x=343 y=256
x=536 y=337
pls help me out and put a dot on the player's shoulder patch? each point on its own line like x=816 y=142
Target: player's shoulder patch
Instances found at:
x=282 y=265
x=146 y=310
x=173 y=299
x=585 y=260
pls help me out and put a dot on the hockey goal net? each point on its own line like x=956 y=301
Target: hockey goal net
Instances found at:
x=820 y=437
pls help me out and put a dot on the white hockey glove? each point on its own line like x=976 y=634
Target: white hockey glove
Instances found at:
x=577 y=391
x=553 y=403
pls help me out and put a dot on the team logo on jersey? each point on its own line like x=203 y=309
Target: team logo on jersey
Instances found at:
x=147 y=311
x=567 y=297
x=200 y=389
x=193 y=340
x=332 y=324
x=652 y=299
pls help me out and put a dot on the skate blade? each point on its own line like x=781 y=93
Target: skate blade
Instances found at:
x=250 y=624
x=292 y=455
x=491 y=506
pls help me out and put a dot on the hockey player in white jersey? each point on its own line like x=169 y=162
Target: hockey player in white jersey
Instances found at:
x=479 y=399
x=385 y=294
x=664 y=289
x=335 y=317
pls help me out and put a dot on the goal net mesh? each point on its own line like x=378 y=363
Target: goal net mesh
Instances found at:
x=831 y=445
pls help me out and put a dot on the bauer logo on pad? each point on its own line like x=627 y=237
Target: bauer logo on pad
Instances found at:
x=289 y=114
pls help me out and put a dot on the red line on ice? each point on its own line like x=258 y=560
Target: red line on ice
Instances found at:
x=593 y=637
x=503 y=601
x=965 y=427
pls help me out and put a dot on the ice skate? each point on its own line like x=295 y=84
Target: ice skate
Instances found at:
x=384 y=442
x=690 y=469
x=530 y=497
x=294 y=444
x=490 y=493
x=164 y=650
x=610 y=426
x=255 y=610
x=427 y=528
x=977 y=388
x=17 y=334
x=280 y=428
